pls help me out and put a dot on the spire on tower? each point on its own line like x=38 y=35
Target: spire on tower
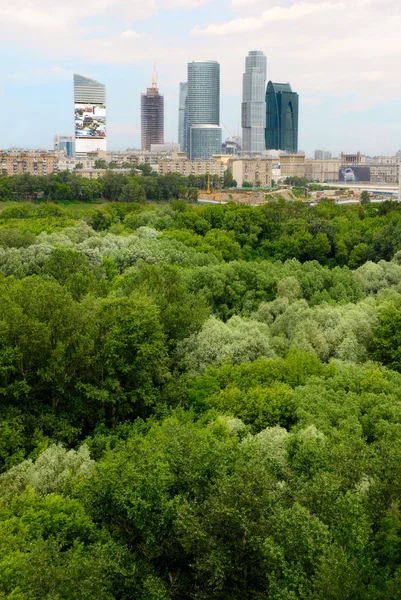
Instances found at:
x=154 y=78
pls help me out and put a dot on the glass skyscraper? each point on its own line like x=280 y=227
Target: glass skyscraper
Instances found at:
x=203 y=108
x=182 y=117
x=254 y=102
x=90 y=115
x=66 y=144
x=281 y=118
x=205 y=140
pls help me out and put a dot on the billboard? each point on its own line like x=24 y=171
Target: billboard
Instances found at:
x=354 y=175
x=90 y=121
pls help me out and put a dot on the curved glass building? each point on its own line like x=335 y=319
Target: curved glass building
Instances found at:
x=281 y=117
x=203 y=104
x=254 y=102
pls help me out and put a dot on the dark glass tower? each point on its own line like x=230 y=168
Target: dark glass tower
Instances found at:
x=281 y=117
x=152 y=116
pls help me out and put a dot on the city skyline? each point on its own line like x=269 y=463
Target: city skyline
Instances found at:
x=346 y=104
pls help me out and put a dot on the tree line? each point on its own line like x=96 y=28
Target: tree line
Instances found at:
x=138 y=185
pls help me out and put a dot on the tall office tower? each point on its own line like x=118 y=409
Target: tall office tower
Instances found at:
x=152 y=116
x=203 y=109
x=90 y=115
x=182 y=117
x=281 y=117
x=66 y=144
x=254 y=102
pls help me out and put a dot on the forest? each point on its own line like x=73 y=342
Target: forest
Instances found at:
x=200 y=402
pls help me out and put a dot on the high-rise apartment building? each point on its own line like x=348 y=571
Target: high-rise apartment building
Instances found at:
x=90 y=115
x=152 y=116
x=182 y=117
x=281 y=118
x=65 y=143
x=203 y=109
x=322 y=155
x=254 y=102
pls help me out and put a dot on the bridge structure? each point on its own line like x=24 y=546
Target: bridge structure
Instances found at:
x=379 y=188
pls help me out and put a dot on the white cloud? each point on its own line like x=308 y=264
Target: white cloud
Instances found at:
x=184 y=4
x=276 y=13
x=129 y=34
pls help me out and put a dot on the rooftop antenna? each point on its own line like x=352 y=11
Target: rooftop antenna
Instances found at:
x=154 y=77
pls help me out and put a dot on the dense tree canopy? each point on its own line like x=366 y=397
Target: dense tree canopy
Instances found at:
x=199 y=402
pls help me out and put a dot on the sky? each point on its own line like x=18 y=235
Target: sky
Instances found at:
x=343 y=57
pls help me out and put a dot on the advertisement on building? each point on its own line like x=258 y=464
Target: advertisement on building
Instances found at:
x=354 y=174
x=90 y=121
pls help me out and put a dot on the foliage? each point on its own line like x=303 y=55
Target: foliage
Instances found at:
x=197 y=401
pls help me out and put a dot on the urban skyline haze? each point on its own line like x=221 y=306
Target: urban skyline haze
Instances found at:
x=333 y=55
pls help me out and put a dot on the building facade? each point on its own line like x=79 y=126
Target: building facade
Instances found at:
x=322 y=171
x=385 y=173
x=90 y=115
x=292 y=165
x=186 y=167
x=352 y=160
x=281 y=118
x=152 y=116
x=25 y=161
x=254 y=102
x=203 y=107
x=204 y=141
x=257 y=171
x=182 y=117
x=65 y=143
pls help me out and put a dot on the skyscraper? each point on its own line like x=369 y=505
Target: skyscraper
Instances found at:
x=90 y=115
x=182 y=117
x=152 y=116
x=203 y=108
x=254 y=102
x=281 y=117
x=65 y=143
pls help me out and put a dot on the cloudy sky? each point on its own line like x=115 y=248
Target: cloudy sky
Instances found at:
x=342 y=56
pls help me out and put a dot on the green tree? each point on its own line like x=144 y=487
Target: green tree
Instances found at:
x=229 y=180
x=386 y=344
x=100 y=163
x=132 y=192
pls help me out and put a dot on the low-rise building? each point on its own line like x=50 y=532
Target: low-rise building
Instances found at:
x=257 y=171
x=92 y=173
x=322 y=171
x=292 y=165
x=185 y=167
x=384 y=173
